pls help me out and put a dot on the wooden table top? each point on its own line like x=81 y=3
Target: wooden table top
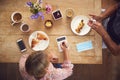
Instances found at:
x=9 y=51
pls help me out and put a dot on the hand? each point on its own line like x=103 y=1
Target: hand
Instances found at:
x=97 y=18
x=64 y=46
x=53 y=58
x=97 y=26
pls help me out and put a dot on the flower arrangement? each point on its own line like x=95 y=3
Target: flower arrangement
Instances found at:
x=37 y=10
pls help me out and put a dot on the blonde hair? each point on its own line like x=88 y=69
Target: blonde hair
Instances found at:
x=36 y=64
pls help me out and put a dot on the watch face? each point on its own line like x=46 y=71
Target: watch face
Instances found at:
x=57 y=14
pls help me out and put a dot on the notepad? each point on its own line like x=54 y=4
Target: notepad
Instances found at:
x=84 y=46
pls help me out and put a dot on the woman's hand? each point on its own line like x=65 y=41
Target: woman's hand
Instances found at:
x=97 y=18
x=97 y=26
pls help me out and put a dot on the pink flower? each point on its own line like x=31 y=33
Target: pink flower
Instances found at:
x=48 y=8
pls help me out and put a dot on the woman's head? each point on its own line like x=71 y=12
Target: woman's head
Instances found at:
x=36 y=64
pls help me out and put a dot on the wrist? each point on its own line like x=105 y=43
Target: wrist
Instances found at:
x=101 y=30
x=66 y=55
x=102 y=16
x=65 y=51
x=104 y=34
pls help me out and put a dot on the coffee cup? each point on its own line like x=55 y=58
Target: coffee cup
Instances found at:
x=16 y=17
x=24 y=27
x=69 y=12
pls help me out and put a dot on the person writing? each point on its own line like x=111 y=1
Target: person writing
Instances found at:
x=111 y=37
x=38 y=66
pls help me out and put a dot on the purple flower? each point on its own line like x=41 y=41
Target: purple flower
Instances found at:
x=37 y=10
x=30 y=4
x=35 y=16
x=41 y=15
x=39 y=1
x=48 y=8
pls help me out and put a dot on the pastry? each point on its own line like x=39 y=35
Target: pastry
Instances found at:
x=80 y=26
x=41 y=37
x=48 y=24
x=34 y=42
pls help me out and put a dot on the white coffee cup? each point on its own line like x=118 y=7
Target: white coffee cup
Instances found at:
x=24 y=27
x=16 y=17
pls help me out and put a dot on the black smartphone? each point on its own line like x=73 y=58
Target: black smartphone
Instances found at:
x=21 y=45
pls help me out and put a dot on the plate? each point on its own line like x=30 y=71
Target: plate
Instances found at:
x=76 y=21
x=42 y=44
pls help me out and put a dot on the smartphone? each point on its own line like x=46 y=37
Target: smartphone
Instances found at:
x=21 y=45
x=60 y=40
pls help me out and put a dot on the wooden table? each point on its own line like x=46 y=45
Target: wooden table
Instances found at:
x=9 y=51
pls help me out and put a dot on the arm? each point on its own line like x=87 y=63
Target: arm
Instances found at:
x=61 y=73
x=65 y=51
x=112 y=46
x=105 y=14
x=54 y=59
x=109 y=11
x=66 y=70
x=66 y=56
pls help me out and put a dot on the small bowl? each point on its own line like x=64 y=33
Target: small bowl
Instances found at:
x=57 y=14
x=48 y=23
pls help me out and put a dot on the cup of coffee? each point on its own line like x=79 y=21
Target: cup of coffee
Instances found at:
x=16 y=17
x=69 y=12
x=24 y=27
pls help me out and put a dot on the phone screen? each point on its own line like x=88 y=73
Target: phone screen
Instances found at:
x=21 y=45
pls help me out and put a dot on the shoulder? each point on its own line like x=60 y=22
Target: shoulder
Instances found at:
x=23 y=58
x=22 y=62
x=22 y=69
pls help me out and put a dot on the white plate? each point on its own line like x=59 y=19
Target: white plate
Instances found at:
x=42 y=45
x=75 y=22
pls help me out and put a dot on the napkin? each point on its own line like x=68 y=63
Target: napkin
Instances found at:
x=84 y=46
